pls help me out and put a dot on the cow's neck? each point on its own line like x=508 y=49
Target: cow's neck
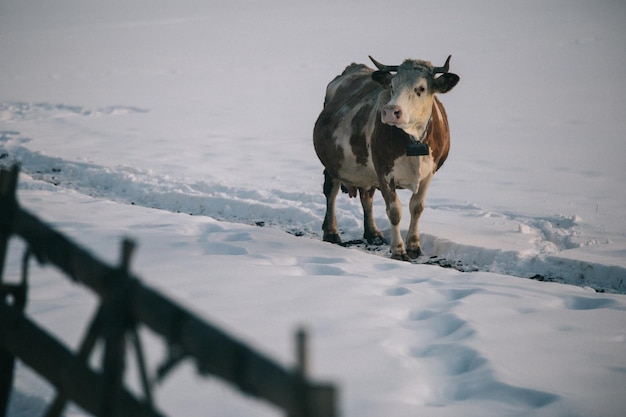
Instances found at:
x=419 y=135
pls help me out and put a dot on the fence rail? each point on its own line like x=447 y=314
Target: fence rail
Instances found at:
x=125 y=303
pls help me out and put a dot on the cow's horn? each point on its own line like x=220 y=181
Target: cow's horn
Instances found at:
x=382 y=67
x=444 y=69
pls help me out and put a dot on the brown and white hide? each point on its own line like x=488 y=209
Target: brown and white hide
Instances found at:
x=369 y=120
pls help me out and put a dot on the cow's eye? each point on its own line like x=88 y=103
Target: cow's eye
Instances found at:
x=419 y=90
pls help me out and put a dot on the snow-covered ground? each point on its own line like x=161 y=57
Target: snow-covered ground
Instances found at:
x=187 y=126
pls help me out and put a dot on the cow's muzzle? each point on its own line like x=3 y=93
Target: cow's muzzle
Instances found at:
x=393 y=115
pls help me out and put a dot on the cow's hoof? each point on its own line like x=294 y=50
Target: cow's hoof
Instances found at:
x=400 y=256
x=332 y=238
x=375 y=240
x=414 y=253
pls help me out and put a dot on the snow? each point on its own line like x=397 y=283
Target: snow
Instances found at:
x=187 y=126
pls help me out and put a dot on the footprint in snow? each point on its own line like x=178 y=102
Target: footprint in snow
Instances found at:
x=451 y=359
x=320 y=265
x=588 y=303
x=321 y=269
x=442 y=325
x=397 y=291
x=482 y=384
x=462 y=373
x=459 y=294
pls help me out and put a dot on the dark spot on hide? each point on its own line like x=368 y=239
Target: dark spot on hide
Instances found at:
x=358 y=141
x=388 y=144
x=355 y=88
x=329 y=153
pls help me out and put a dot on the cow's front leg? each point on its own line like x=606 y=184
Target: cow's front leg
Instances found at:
x=371 y=234
x=394 y=213
x=416 y=206
x=329 y=227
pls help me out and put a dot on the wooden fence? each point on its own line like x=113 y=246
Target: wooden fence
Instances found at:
x=125 y=304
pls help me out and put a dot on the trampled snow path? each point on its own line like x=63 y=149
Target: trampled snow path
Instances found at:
x=301 y=213
x=399 y=339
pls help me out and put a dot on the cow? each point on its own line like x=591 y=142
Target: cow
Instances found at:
x=383 y=129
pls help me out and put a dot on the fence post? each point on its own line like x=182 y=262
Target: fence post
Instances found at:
x=319 y=400
x=300 y=390
x=8 y=204
x=302 y=353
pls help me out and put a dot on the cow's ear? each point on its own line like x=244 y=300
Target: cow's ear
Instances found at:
x=382 y=77
x=446 y=82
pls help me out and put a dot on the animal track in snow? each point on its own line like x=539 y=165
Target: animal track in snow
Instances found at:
x=397 y=291
x=419 y=315
x=295 y=212
x=459 y=372
x=320 y=269
x=459 y=294
x=588 y=303
x=452 y=359
x=443 y=325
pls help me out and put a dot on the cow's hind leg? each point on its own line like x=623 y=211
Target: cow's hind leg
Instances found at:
x=329 y=227
x=372 y=235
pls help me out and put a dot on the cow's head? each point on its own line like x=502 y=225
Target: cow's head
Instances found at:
x=408 y=100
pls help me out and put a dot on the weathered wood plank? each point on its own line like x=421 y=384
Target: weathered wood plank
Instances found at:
x=61 y=367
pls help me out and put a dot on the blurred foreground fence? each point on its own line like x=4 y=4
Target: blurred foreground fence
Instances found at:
x=125 y=304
